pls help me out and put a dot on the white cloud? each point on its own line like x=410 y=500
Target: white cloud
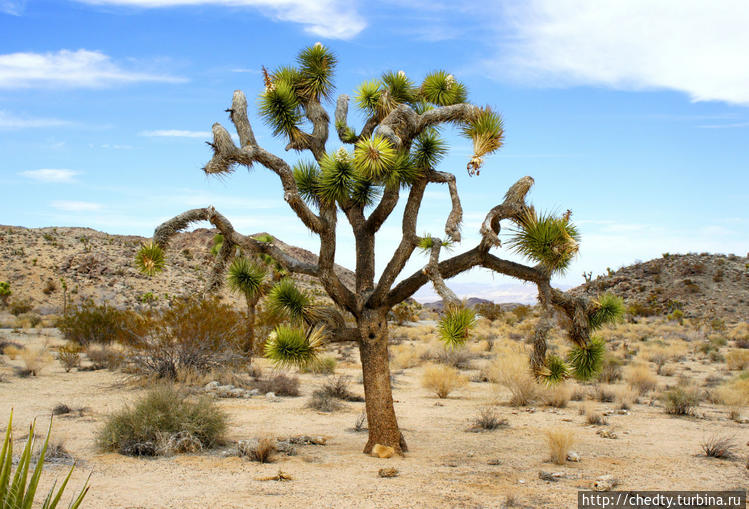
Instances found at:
x=66 y=68
x=176 y=133
x=691 y=46
x=10 y=121
x=50 y=175
x=335 y=19
x=76 y=206
x=12 y=7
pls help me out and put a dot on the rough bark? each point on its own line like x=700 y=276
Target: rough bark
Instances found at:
x=373 y=350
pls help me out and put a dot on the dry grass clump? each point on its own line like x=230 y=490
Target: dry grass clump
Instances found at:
x=721 y=447
x=69 y=356
x=408 y=355
x=280 y=385
x=681 y=400
x=641 y=379
x=12 y=350
x=560 y=442
x=512 y=372
x=323 y=401
x=487 y=420
x=737 y=360
x=738 y=332
x=164 y=419
x=105 y=356
x=261 y=450
x=36 y=359
x=557 y=396
x=626 y=397
x=442 y=380
x=594 y=417
x=338 y=387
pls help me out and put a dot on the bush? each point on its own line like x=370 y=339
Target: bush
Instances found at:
x=611 y=371
x=5 y=292
x=487 y=420
x=322 y=366
x=442 y=380
x=515 y=375
x=19 y=307
x=261 y=450
x=490 y=311
x=190 y=334
x=641 y=379
x=89 y=324
x=557 y=396
x=737 y=359
x=559 y=441
x=163 y=417
x=680 y=401
x=337 y=387
x=323 y=401
x=35 y=359
x=280 y=385
x=104 y=357
x=718 y=447
x=69 y=356
x=405 y=312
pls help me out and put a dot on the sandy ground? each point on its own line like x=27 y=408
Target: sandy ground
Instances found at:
x=446 y=466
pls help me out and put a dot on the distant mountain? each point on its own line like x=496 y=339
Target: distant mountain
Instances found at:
x=471 y=302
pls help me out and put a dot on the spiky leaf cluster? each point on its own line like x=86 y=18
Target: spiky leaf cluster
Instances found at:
x=15 y=492
x=587 y=361
x=150 y=258
x=399 y=87
x=486 y=130
x=545 y=238
x=426 y=243
x=316 y=67
x=608 y=308
x=294 y=346
x=281 y=110
x=287 y=299
x=218 y=242
x=246 y=277
x=428 y=149
x=455 y=326
x=307 y=178
x=374 y=157
x=556 y=370
x=442 y=89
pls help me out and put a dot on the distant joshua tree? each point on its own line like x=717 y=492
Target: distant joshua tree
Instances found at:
x=395 y=153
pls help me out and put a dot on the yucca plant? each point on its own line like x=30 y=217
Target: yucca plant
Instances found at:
x=555 y=370
x=608 y=308
x=150 y=258
x=545 y=238
x=486 y=130
x=15 y=491
x=286 y=298
x=587 y=360
x=294 y=346
x=374 y=157
x=442 y=89
x=248 y=278
x=428 y=149
x=456 y=324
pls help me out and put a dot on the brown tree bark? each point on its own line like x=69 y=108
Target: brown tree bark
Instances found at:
x=373 y=349
x=249 y=345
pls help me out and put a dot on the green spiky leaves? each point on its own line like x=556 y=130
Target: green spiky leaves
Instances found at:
x=287 y=299
x=442 y=89
x=368 y=97
x=427 y=242
x=280 y=109
x=293 y=346
x=316 y=67
x=246 y=277
x=455 y=326
x=547 y=239
x=374 y=157
x=218 y=243
x=555 y=370
x=486 y=130
x=399 y=87
x=428 y=149
x=307 y=178
x=608 y=308
x=587 y=361
x=150 y=259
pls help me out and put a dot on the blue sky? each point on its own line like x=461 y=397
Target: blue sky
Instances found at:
x=632 y=114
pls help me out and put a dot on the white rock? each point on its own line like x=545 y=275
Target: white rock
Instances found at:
x=573 y=456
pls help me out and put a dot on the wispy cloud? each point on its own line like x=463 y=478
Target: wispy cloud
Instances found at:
x=335 y=19
x=66 y=68
x=175 y=133
x=684 y=45
x=50 y=175
x=12 y=7
x=76 y=206
x=11 y=121
x=734 y=125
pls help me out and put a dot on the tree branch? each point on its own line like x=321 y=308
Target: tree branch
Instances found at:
x=345 y=133
x=452 y=225
x=315 y=142
x=511 y=208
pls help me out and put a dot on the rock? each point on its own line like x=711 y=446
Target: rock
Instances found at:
x=271 y=396
x=254 y=392
x=307 y=440
x=549 y=476
x=388 y=472
x=285 y=447
x=604 y=433
x=494 y=461
x=605 y=483
x=236 y=392
x=210 y=386
x=573 y=456
x=382 y=451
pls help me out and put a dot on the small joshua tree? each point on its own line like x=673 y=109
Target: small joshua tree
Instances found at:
x=250 y=279
x=395 y=154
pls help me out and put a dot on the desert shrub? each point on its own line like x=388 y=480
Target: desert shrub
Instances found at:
x=89 y=323
x=323 y=401
x=459 y=357
x=487 y=420
x=594 y=417
x=522 y=312
x=718 y=447
x=280 y=385
x=361 y=422
x=611 y=370
x=408 y=355
x=490 y=310
x=12 y=350
x=680 y=401
x=626 y=397
x=28 y=320
x=19 y=307
x=104 y=357
x=61 y=409
x=14 y=492
x=261 y=450
x=160 y=416
x=50 y=287
x=559 y=441
x=5 y=292
x=69 y=356
x=337 y=387
x=405 y=312
x=515 y=375
x=604 y=394
x=321 y=366
x=442 y=380
x=737 y=359
x=641 y=379
x=36 y=359
x=557 y=396
x=189 y=334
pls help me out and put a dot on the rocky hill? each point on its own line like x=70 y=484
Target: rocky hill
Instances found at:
x=701 y=285
x=100 y=266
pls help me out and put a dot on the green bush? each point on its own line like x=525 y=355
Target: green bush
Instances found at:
x=163 y=422
x=680 y=401
x=14 y=492
x=5 y=292
x=89 y=324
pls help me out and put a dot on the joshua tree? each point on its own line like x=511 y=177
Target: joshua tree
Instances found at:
x=249 y=279
x=395 y=154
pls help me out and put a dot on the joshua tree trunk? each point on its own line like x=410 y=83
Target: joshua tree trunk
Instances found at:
x=373 y=349
x=249 y=345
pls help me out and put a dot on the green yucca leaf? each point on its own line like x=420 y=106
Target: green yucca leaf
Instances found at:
x=287 y=74
x=368 y=96
x=374 y=157
x=246 y=277
x=150 y=258
x=337 y=176
x=427 y=242
x=218 y=242
x=286 y=298
x=267 y=238
x=455 y=326
x=363 y=192
x=587 y=361
x=552 y=241
x=421 y=107
x=487 y=132
x=401 y=88
x=316 y=67
x=428 y=149
x=556 y=370
x=280 y=109
x=404 y=171
x=608 y=309
x=307 y=177
x=293 y=346
x=442 y=89
x=348 y=135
